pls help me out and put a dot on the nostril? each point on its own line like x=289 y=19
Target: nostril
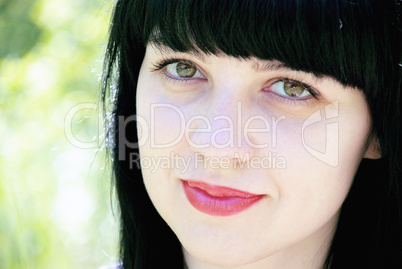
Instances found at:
x=225 y=160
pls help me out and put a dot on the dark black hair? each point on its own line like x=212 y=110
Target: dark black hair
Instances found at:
x=356 y=42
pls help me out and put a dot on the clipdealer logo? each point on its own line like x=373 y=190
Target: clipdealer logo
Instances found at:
x=327 y=115
x=330 y=155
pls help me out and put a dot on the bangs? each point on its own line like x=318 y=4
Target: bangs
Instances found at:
x=339 y=39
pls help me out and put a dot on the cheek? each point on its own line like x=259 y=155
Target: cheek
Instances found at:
x=321 y=159
x=167 y=125
x=162 y=130
x=163 y=114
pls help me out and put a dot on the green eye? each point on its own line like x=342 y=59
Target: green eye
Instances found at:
x=294 y=89
x=291 y=89
x=185 y=69
x=182 y=69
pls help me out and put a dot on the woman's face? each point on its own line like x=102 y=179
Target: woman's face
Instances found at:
x=247 y=161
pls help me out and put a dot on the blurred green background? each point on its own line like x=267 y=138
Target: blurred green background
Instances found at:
x=55 y=202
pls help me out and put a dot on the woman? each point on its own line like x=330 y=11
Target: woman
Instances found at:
x=257 y=134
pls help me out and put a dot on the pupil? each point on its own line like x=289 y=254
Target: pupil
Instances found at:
x=293 y=90
x=185 y=70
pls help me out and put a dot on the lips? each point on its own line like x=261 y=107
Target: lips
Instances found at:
x=217 y=200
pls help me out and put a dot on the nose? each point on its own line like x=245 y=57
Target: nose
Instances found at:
x=219 y=132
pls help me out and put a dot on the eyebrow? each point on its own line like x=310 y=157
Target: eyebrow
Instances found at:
x=269 y=65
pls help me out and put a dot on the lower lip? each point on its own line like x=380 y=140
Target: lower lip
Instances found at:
x=225 y=204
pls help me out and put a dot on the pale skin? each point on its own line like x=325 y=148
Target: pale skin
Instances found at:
x=292 y=226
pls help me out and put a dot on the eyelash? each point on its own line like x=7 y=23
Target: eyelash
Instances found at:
x=159 y=66
x=162 y=64
x=299 y=101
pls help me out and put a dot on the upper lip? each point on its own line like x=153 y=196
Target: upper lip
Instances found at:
x=220 y=191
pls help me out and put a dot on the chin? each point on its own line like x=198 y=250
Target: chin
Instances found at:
x=221 y=256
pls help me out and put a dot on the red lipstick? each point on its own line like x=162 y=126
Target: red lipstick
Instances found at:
x=217 y=200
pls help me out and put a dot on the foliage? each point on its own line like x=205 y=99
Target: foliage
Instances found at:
x=54 y=194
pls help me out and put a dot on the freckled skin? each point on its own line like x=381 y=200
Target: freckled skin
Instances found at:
x=292 y=226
